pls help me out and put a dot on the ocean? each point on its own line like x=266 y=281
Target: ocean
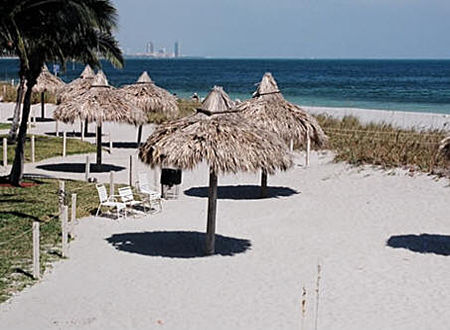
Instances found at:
x=406 y=85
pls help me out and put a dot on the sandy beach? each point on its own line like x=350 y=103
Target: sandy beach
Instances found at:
x=381 y=238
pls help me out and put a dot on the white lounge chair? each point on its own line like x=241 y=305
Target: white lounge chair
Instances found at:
x=108 y=201
x=151 y=196
x=127 y=197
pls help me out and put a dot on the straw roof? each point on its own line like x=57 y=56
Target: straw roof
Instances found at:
x=445 y=147
x=77 y=86
x=100 y=103
x=47 y=82
x=269 y=110
x=225 y=141
x=151 y=98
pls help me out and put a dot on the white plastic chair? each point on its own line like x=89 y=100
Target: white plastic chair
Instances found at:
x=108 y=201
x=127 y=197
x=151 y=196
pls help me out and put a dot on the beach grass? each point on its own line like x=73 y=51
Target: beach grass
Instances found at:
x=9 y=94
x=19 y=208
x=48 y=147
x=383 y=145
x=186 y=107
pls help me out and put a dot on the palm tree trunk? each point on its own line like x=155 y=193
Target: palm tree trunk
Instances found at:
x=16 y=174
x=12 y=135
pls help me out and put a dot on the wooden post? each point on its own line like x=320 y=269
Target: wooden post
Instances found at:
x=73 y=216
x=64 y=216
x=82 y=130
x=64 y=144
x=43 y=105
x=99 y=144
x=263 y=183
x=139 y=136
x=111 y=183
x=308 y=148
x=36 y=250
x=212 y=203
x=5 y=152
x=56 y=128
x=110 y=143
x=131 y=171
x=33 y=153
x=87 y=168
x=61 y=194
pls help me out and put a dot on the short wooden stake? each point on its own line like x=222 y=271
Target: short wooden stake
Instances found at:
x=87 y=168
x=82 y=130
x=36 y=250
x=308 y=148
x=64 y=144
x=131 y=171
x=56 y=128
x=61 y=194
x=33 y=153
x=111 y=183
x=73 y=216
x=64 y=216
x=5 y=152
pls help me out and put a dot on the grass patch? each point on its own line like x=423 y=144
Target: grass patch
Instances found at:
x=383 y=145
x=5 y=126
x=19 y=207
x=186 y=107
x=9 y=94
x=48 y=147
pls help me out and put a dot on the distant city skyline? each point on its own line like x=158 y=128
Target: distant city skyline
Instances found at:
x=289 y=28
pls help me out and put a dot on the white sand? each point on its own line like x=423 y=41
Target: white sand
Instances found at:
x=341 y=217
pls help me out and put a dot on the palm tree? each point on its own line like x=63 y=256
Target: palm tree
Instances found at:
x=54 y=30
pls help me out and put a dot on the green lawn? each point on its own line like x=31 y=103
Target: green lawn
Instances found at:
x=19 y=207
x=5 y=126
x=47 y=147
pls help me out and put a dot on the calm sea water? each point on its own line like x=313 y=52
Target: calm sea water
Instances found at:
x=409 y=85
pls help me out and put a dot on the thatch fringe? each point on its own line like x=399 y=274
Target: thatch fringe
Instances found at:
x=151 y=98
x=100 y=103
x=225 y=141
x=269 y=110
x=47 y=82
x=444 y=147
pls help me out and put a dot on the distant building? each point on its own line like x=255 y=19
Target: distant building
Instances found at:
x=150 y=48
x=176 y=50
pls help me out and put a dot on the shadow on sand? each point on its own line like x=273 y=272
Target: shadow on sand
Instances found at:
x=79 y=168
x=122 y=145
x=176 y=244
x=424 y=243
x=71 y=134
x=241 y=192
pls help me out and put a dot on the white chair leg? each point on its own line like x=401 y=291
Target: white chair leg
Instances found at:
x=98 y=210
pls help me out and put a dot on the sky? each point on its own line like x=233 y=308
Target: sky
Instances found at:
x=288 y=28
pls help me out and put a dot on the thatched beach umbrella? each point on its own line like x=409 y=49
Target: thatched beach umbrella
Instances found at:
x=151 y=99
x=47 y=82
x=75 y=88
x=225 y=141
x=270 y=111
x=445 y=147
x=99 y=104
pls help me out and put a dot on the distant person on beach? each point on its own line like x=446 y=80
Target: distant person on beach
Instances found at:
x=195 y=97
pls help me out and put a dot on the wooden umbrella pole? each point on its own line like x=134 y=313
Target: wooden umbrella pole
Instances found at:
x=263 y=183
x=99 y=144
x=212 y=203
x=86 y=127
x=139 y=136
x=43 y=105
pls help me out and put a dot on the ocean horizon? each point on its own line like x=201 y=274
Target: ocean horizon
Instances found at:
x=413 y=85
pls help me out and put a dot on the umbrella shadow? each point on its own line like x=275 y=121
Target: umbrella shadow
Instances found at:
x=241 y=192
x=176 y=244
x=424 y=243
x=80 y=168
x=123 y=145
x=71 y=134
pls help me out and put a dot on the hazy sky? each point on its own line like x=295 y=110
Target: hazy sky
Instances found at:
x=289 y=28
